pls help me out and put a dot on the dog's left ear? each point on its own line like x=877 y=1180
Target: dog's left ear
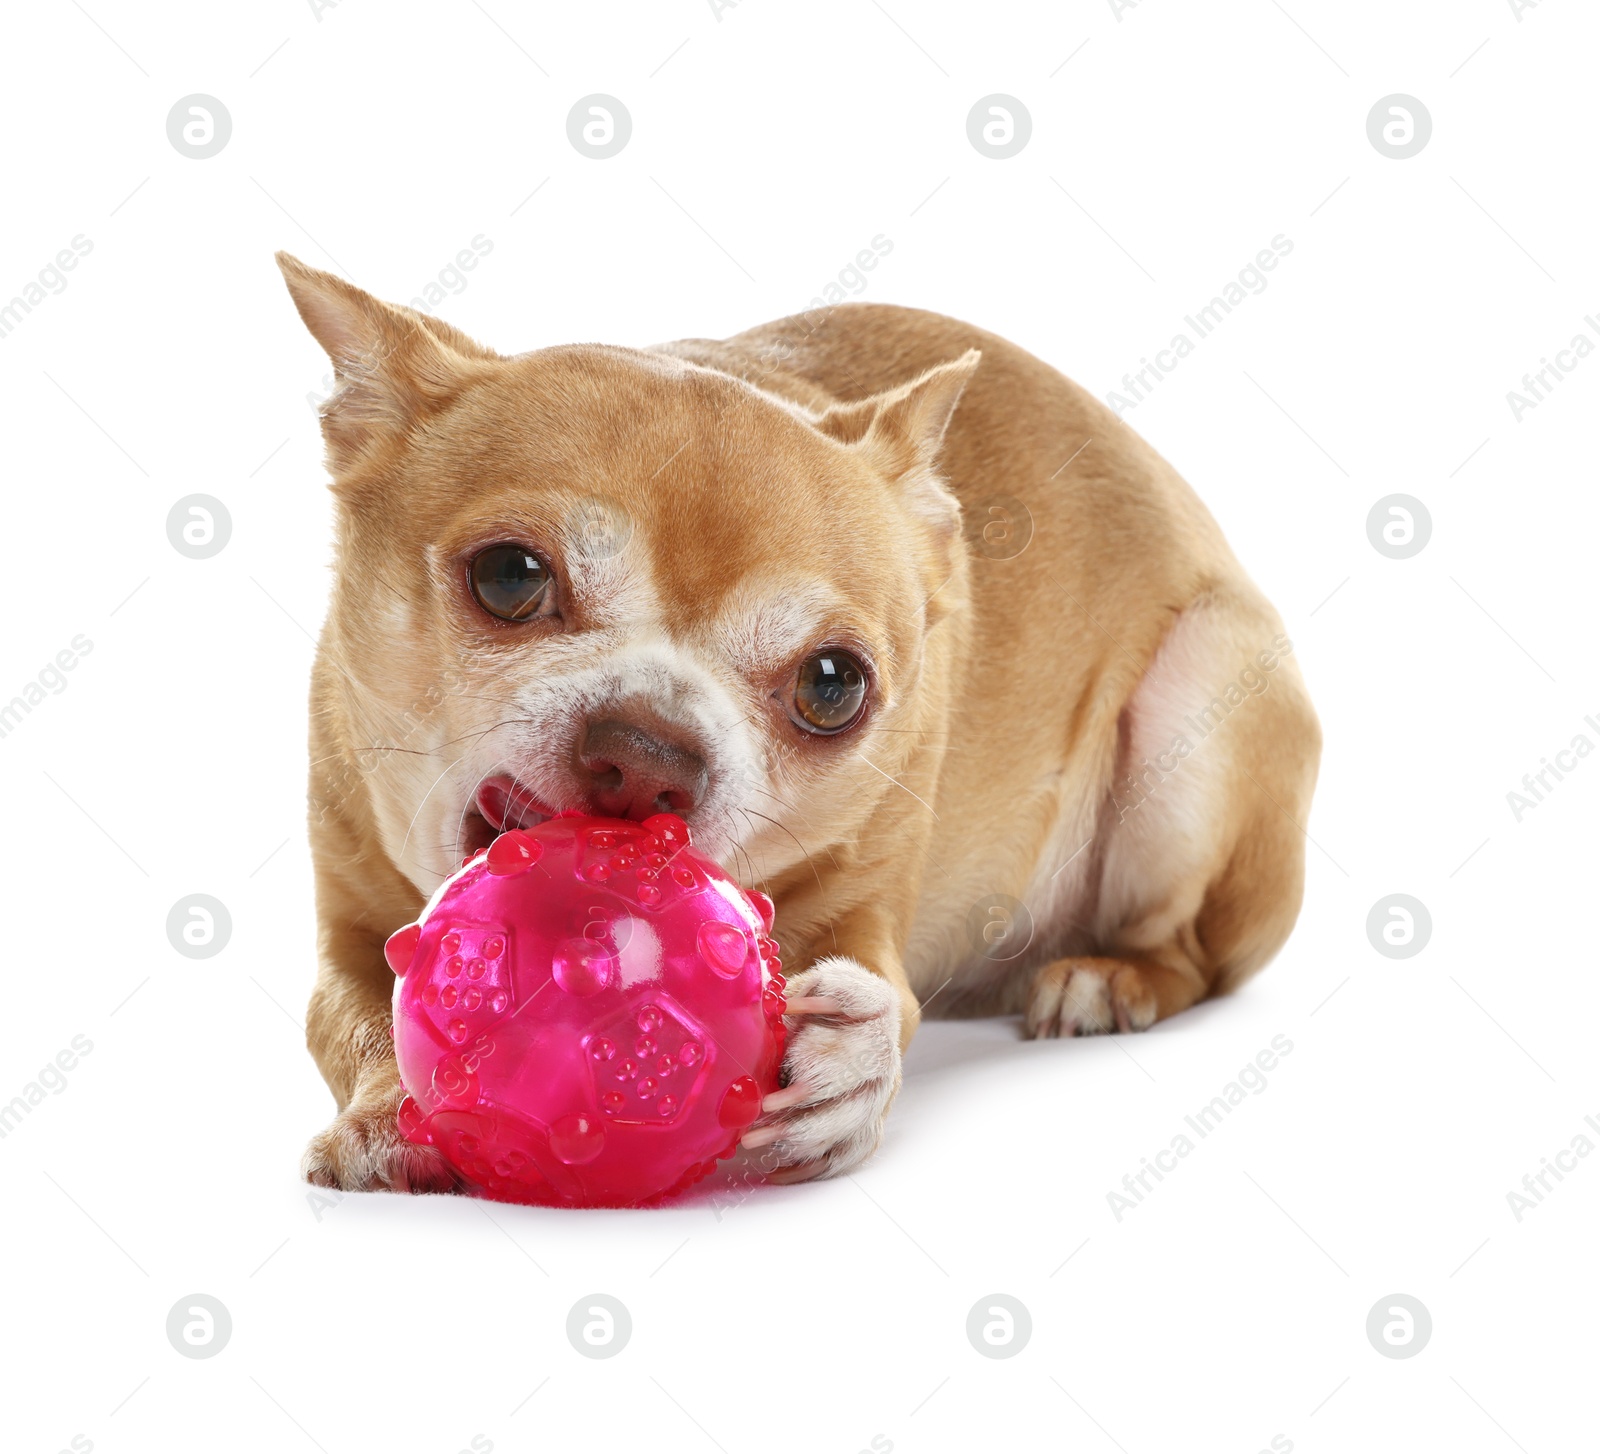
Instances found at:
x=392 y=365
x=899 y=433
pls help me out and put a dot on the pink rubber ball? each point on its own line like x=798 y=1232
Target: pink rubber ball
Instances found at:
x=587 y=1013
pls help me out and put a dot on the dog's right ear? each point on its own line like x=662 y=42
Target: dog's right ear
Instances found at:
x=391 y=366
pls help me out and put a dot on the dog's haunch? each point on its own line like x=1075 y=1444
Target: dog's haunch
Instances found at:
x=588 y=1013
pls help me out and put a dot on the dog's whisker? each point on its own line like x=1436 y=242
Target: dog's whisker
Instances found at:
x=738 y=848
x=801 y=818
x=763 y=876
x=810 y=863
x=400 y=855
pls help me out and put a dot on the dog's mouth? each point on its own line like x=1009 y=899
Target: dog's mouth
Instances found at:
x=501 y=803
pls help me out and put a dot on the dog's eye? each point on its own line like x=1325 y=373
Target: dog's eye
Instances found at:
x=509 y=581
x=829 y=691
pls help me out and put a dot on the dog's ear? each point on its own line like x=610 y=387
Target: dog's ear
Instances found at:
x=392 y=366
x=899 y=432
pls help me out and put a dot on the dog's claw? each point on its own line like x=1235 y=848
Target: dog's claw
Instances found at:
x=812 y=1005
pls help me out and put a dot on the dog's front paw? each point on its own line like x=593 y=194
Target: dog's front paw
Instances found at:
x=363 y=1150
x=841 y=1070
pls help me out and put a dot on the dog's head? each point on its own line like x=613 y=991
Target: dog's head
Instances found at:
x=609 y=579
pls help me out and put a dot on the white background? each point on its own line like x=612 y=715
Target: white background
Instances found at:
x=769 y=146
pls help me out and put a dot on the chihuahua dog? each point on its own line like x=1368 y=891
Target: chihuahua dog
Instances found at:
x=916 y=635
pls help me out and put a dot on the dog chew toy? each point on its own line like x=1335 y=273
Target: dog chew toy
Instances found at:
x=589 y=1013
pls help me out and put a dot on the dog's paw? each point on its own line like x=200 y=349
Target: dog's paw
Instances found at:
x=1090 y=997
x=841 y=1070
x=363 y=1150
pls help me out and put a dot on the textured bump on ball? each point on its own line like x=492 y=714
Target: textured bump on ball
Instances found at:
x=723 y=946
x=400 y=946
x=513 y=852
x=581 y=967
x=741 y=1103
x=763 y=907
x=577 y=1139
x=670 y=829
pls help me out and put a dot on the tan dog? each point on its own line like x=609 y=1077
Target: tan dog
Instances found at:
x=916 y=635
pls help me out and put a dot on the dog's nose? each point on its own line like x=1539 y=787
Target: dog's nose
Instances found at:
x=633 y=773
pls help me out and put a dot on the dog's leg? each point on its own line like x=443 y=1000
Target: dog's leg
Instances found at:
x=1202 y=857
x=347 y=1029
x=360 y=899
